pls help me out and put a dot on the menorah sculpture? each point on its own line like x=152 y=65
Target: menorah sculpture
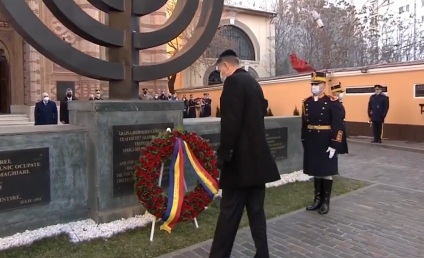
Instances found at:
x=121 y=36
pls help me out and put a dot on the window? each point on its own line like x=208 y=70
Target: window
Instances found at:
x=364 y=90
x=407 y=8
x=400 y=10
x=231 y=37
x=419 y=90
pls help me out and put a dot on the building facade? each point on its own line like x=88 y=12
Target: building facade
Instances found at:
x=250 y=33
x=25 y=74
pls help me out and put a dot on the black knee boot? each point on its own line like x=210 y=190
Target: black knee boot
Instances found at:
x=317 y=195
x=327 y=186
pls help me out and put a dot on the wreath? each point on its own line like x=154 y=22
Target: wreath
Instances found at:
x=148 y=170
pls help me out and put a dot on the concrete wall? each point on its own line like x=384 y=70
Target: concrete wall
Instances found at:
x=68 y=176
x=294 y=160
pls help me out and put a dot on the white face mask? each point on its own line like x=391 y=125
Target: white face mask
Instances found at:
x=315 y=89
x=341 y=95
x=46 y=98
x=98 y=95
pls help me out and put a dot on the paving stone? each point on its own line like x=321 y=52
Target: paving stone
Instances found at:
x=385 y=220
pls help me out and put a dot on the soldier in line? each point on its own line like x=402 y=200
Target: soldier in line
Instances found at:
x=185 y=110
x=191 y=107
x=98 y=95
x=207 y=109
x=322 y=137
x=338 y=92
x=378 y=106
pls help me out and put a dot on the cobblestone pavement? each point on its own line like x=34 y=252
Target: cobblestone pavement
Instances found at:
x=385 y=220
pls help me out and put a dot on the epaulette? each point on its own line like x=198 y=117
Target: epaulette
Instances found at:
x=306 y=99
x=333 y=98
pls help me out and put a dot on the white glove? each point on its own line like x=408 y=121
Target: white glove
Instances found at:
x=331 y=152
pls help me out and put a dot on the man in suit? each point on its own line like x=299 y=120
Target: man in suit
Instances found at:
x=45 y=111
x=64 y=112
x=378 y=106
x=244 y=158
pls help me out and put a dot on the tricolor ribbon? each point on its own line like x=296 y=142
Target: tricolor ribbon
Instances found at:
x=177 y=189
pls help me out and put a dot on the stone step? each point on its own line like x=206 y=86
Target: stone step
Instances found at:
x=18 y=117
x=15 y=123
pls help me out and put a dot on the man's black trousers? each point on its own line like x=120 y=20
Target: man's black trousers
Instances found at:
x=377 y=129
x=232 y=207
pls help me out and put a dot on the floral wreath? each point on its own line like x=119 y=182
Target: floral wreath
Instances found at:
x=147 y=174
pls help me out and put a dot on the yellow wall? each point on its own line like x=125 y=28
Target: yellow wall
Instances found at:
x=284 y=95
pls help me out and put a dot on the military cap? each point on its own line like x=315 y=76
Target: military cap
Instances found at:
x=191 y=95
x=378 y=86
x=318 y=77
x=337 y=88
x=98 y=91
x=226 y=53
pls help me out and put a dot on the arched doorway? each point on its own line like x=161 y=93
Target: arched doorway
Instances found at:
x=4 y=83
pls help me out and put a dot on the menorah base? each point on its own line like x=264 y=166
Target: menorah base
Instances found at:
x=117 y=131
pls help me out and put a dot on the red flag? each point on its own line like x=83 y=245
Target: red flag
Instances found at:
x=300 y=65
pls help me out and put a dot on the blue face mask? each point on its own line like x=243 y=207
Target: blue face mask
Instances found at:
x=315 y=89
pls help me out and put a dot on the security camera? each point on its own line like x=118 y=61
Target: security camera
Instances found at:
x=317 y=19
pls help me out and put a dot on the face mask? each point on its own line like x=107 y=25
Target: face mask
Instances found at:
x=98 y=95
x=315 y=89
x=184 y=99
x=69 y=95
x=341 y=95
x=156 y=97
x=46 y=98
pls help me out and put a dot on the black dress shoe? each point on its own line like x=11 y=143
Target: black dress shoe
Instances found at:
x=317 y=195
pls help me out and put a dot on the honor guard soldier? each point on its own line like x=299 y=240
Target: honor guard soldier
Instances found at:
x=322 y=137
x=338 y=92
x=191 y=107
x=98 y=95
x=207 y=109
x=185 y=110
x=378 y=106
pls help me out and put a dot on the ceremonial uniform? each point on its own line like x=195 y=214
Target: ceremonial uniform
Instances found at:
x=378 y=106
x=191 y=107
x=322 y=137
x=338 y=91
x=207 y=109
x=185 y=109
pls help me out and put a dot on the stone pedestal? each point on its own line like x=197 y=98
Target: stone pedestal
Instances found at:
x=117 y=129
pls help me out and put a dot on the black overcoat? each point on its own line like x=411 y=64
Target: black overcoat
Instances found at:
x=243 y=148
x=191 y=109
x=378 y=106
x=207 y=109
x=64 y=112
x=322 y=127
x=45 y=114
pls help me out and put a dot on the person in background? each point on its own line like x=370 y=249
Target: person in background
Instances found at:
x=185 y=109
x=64 y=112
x=338 y=92
x=322 y=137
x=169 y=97
x=91 y=97
x=207 y=109
x=156 y=97
x=191 y=107
x=378 y=106
x=244 y=158
x=174 y=96
x=98 y=95
x=45 y=111
x=145 y=95
x=163 y=96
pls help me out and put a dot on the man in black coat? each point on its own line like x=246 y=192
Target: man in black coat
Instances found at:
x=338 y=92
x=378 y=106
x=64 y=112
x=322 y=137
x=244 y=158
x=45 y=111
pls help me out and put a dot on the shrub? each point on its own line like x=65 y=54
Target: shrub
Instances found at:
x=218 y=112
x=296 y=111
